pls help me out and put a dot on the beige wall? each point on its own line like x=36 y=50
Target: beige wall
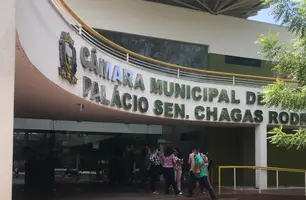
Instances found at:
x=7 y=73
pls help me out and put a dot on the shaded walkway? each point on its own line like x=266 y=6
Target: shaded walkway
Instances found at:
x=98 y=192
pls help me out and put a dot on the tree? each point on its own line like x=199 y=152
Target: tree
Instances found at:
x=289 y=60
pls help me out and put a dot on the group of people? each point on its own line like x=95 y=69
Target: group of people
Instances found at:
x=170 y=165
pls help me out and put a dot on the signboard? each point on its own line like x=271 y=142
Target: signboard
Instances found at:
x=122 y=88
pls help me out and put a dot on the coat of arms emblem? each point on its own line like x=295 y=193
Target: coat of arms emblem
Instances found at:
x=67 y=57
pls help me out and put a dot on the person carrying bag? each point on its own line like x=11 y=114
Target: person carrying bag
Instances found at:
x=201 y=174
x=154 y=169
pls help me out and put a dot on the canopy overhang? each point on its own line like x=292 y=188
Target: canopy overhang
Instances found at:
x=234 y=8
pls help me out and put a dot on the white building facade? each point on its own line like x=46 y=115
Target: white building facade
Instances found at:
x=65 y=71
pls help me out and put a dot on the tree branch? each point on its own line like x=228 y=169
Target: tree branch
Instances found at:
x=281 y=139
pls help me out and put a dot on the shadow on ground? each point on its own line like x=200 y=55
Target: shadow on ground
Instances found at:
x=102 y=192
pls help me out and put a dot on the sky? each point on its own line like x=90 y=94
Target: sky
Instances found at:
x=264 y=16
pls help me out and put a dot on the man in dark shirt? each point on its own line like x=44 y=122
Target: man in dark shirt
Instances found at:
x=144 y=166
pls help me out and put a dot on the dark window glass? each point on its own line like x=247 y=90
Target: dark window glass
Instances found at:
x=233 y=60
x=190 y=136
x=175 y=52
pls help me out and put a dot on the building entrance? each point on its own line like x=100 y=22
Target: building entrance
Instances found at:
x=46 y=161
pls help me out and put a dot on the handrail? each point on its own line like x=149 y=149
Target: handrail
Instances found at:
x=158 y=62
x=276 y=169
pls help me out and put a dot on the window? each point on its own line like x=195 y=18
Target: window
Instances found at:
x=170 y=51
x=233 y=60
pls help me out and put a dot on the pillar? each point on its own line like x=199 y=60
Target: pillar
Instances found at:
x=7 y=73
x=261 y=155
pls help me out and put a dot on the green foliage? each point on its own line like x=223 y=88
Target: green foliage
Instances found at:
x=290 y=61
x=291 y=13
x=282 y=139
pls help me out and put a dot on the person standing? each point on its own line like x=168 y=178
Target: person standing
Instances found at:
x=168 y=160
x=209 y=167
x=200 y=171
x=178 y=169
x=207 y=162
x=200 y=188
x=154 y=169
x=191 y=177
x=144 y=166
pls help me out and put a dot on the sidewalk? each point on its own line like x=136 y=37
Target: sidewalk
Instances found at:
x=97 y=192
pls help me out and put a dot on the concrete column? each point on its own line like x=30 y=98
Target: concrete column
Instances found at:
x=7 y=73
x=261 y=155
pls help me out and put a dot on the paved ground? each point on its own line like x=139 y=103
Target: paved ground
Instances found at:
x=162 y=197
x=102 y=192
x=137 y=196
